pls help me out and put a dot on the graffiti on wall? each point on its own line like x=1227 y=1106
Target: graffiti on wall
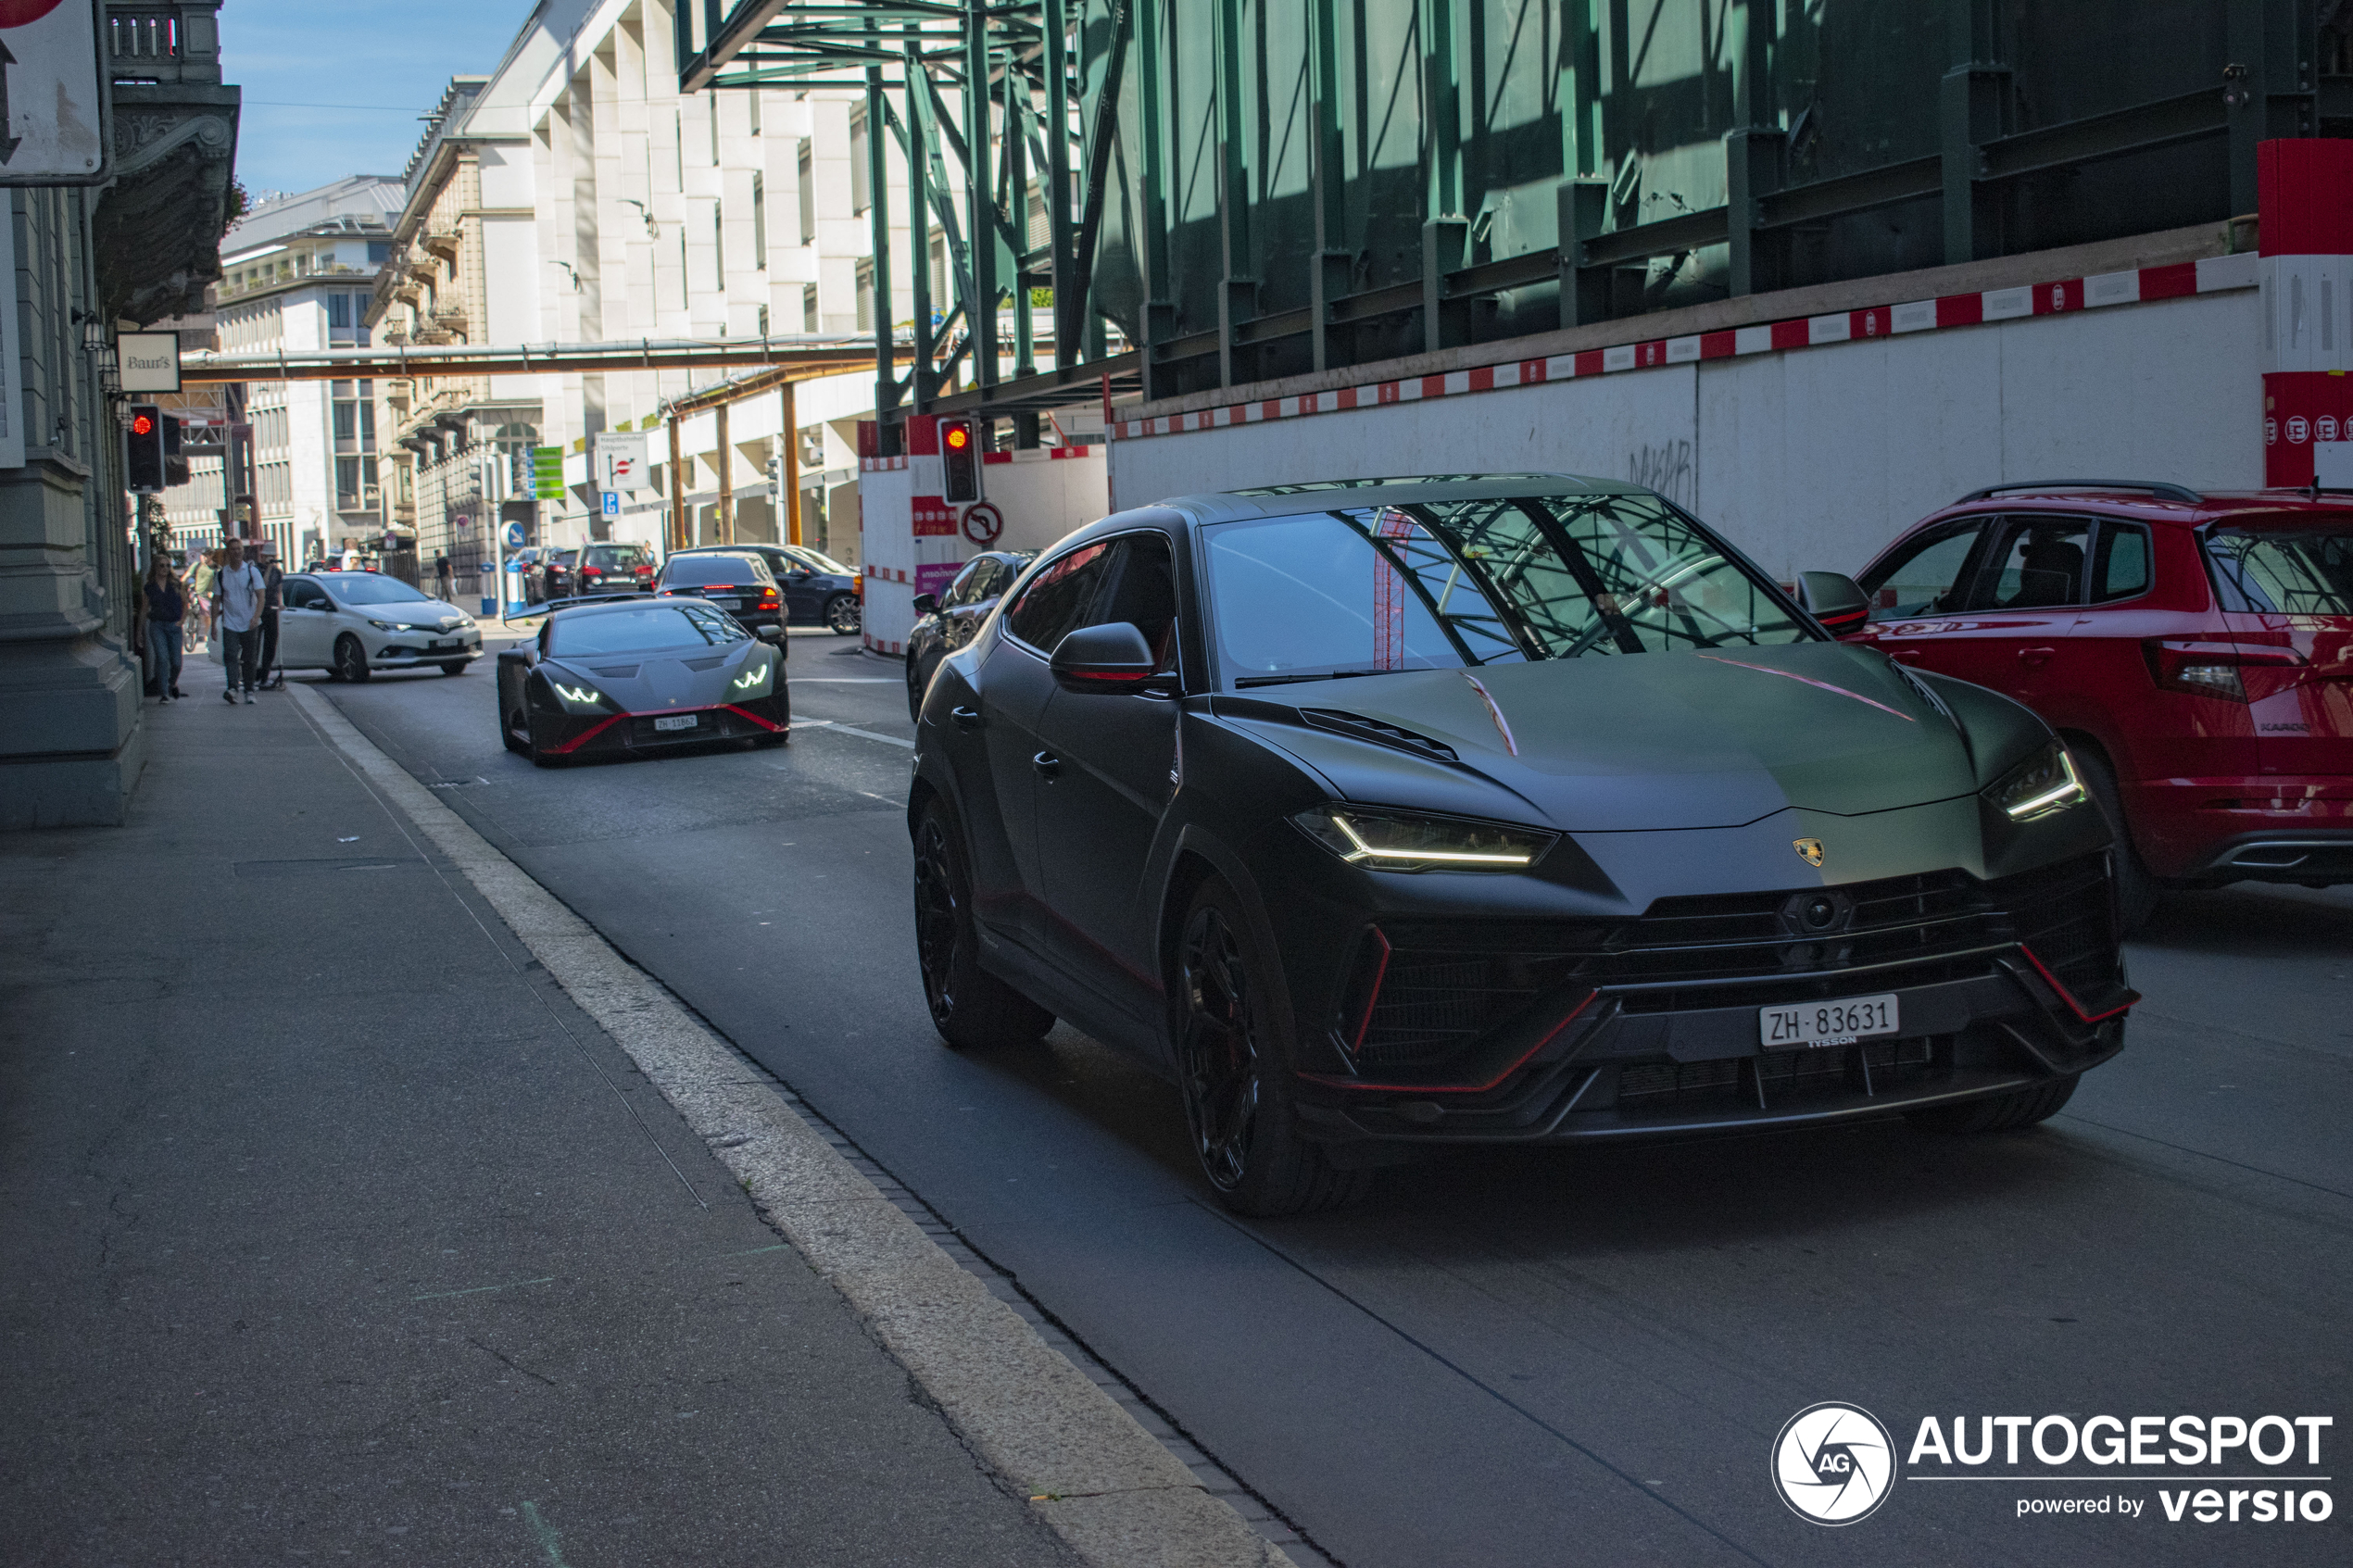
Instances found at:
x=1666 y=467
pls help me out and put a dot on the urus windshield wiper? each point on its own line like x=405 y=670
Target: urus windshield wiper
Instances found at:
x=1314 y=675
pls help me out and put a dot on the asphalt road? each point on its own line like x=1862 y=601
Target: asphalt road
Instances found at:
x=1521 y=1357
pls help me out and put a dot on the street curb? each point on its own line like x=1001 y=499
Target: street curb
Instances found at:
x=1100 y=1480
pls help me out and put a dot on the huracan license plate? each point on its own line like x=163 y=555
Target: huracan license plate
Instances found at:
x=688 y=721
x=1822 y=1025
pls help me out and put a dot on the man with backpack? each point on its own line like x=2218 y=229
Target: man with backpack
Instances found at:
x=241 y=591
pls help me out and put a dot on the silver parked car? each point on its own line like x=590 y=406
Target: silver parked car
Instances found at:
x=355 y=623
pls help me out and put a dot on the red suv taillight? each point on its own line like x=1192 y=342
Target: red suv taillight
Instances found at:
x=2203 y=667
x=766 y=595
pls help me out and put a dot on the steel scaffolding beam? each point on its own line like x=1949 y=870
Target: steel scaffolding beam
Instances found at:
x=1256 y=188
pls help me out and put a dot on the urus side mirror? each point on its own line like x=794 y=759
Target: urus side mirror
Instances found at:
x=926 y=604
x=1112 y=658
x=1838 y=603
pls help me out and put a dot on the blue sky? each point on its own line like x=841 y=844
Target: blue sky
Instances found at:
x=336 y=89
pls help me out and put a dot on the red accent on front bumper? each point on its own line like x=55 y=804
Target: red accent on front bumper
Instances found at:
x=1547 y=1038
x=764 y=723
x=2069 y=997
x=584 y=736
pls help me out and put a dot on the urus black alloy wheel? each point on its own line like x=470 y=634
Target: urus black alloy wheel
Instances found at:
x=1219 y=1057
x=968 y=1006
x=936 y=920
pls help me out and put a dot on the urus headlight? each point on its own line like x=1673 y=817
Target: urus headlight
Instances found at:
x=1395 y=841
x=753 y=681
x=578 y=696
x=2043 y=783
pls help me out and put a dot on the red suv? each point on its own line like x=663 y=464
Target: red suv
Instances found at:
x=2195 y=651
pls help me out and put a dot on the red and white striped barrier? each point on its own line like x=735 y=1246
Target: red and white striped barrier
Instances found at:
x=2211 y=276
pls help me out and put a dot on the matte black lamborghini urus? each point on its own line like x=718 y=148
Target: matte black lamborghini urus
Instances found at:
x=629 y=675
x=1473 y=810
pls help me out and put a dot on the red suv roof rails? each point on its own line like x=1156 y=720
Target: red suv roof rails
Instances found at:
x=2153 y=486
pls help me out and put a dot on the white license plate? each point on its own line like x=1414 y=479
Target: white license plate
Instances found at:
x=1823 y=1024
x=729 y=604
x=678 y=722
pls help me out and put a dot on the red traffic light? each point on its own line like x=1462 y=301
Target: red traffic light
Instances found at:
x=959 y=437
x=141 y=425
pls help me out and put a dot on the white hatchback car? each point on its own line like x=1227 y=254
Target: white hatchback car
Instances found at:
x=354 y=623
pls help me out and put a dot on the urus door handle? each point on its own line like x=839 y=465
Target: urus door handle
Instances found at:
x=1905 y=656
x=2034 y=658
x=965 y=718
x=1047 y=764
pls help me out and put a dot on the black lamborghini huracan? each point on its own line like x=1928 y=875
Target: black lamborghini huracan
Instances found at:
x=1475 y=810
x=639 y=674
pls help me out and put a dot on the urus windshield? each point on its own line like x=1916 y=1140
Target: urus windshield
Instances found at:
x=1452 y=583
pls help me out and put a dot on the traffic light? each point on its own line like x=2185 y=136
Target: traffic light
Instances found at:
x=143 y=449
x=960 y=455
x=175 y=462
x=776 y=480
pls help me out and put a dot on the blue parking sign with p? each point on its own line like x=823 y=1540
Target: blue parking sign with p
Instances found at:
x=612 y=503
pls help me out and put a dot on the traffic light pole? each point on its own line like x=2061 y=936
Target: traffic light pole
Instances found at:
x=790 y=435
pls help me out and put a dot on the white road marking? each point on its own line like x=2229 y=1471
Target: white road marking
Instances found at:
x=1100 y=1480
x=849 y=730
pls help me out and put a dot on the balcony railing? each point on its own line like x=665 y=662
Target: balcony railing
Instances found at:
x=179 y=42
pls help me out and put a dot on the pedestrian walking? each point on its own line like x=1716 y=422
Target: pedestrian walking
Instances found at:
x=241 y=591
x=442 y=574
x=164 y=608
x=201 y=582
x=274 y=599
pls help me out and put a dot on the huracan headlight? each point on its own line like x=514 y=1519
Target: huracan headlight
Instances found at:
x=753 y=681
x=578 y=696
x=1395 y=841
x=2043 y=783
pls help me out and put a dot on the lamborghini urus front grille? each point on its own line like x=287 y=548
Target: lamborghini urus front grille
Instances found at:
x=1419 y=992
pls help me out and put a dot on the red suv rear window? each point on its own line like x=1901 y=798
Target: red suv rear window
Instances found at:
x=2293 y=566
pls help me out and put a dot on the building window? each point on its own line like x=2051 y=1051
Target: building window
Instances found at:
x=866 y=295
x=808 y=193
x=763 y=321
x=714 y=130
x=718 y=243
x=379 y=252
x=759 y=223
x=860 y=191
x=751 y=101
x=808 y=309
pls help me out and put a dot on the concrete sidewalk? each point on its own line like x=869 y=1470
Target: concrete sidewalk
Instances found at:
x=334 y=1231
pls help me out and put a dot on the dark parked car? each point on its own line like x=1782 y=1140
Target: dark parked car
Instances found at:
x=1409 y=812
x=946 y=621
x=615 y=569
x=2195 y=652
x=737 y=581
x=631 y=675
x=818 y=590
